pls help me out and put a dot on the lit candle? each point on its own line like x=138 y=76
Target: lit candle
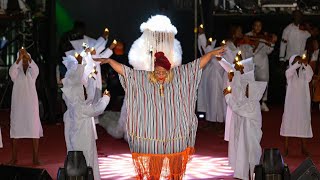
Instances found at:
x=114 y=42
x=304 y=56
x=223 y=42
x=201 y=26
x=210 y=39
x=239 y=63
x=92 y=49
x=239 y=53
x=106 y=30
x=229 y=88
x=76 y=54
x=22 y=47
x=230 y=71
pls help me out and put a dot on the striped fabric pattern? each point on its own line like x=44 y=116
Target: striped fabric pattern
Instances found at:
x=161 y=124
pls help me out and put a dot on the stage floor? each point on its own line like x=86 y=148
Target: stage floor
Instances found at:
x=209 y=162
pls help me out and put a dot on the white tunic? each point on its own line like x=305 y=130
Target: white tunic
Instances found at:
x=244 y=149
x=296 y=41
x=25 y=120
x=261 y=60
x=81 y=129
x=296 y=119
x=238 y=78
x=210 y=96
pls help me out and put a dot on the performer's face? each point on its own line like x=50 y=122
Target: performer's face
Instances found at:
x=257 y=26
x=238 y=33
x=160 y=74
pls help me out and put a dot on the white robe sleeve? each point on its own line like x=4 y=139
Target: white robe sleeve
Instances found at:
x=97 y=108
x=34 y=70
x=239 y=108
x=292 y=69
x=308 y=72
x=283 y=45
x=100 y=45
x=226 y=65
x=107 y=53
x=202 y=43
x=14 y=70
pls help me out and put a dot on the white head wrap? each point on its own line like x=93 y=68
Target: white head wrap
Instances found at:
x=157 y=35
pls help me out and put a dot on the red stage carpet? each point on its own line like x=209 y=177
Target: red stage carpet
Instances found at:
x=209 y=162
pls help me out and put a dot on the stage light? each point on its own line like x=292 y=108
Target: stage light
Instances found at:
x=306 y=170
x=75 y=167
x=271 y=166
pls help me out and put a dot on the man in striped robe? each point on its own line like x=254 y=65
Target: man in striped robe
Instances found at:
x=161 y=122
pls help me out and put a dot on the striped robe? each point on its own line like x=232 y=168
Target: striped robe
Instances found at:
x=161 y=128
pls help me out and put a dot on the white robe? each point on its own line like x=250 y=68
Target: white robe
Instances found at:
x=296 y=119
x=238 y=78
x=261 y=61
x=25 y=120
x=296 y=41
x=81 y=131
x=244 y=149
x=210 y=96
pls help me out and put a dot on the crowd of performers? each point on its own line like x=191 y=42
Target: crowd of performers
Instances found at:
x=228 y=83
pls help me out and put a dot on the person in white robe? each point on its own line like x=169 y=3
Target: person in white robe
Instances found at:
x=25 y=120
x=260 y=54
x=243 y=71
x=296 y=119
x=244 y=149
x=210 y=99
x=81 y=129
x=293 y=38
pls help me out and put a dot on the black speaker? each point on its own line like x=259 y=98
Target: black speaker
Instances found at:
x=23 y=173
x=306 y=170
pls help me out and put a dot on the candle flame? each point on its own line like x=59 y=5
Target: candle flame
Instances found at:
x=304 y=56
x=22 y=47
x=76 y=54
x=106 y=30
x=201 y=26
x=237 y=58
x=114 y=42
x=210 y=39
x=223 y=42
x=92 y=49
x=239 y=53
x=229 y=88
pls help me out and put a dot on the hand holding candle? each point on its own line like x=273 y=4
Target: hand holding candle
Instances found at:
x=227 y=90
x=230 y=75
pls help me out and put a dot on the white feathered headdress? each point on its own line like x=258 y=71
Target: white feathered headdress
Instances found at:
x=157 y=35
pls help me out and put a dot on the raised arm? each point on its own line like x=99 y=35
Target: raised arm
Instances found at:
x=114 y=64
x=292 y=69
x=207 y=57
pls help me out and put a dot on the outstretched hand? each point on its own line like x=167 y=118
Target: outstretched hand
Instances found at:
x=218 y=52
x=106 y=93
x=102 y=60
x=226 y=91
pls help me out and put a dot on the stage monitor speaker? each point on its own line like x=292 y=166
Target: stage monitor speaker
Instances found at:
x=23 y=173
x=306 y=170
